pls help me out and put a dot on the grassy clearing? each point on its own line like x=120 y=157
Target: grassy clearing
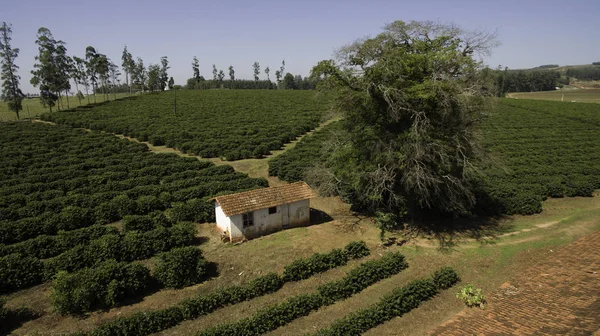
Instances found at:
x=577 y=95
x=32 y=107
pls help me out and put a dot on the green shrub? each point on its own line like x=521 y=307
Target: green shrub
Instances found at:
x=100 y=287
x=273 y=317
x=145 y=323
x=398 y=303
x=181 y=267
x=318 y=263
x=471 y=296
x=137 y=223
x=356 y=250
x=19 y=271
x=148 y=204
x=363 y=276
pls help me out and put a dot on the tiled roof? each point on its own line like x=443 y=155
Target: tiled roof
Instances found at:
x=247 y=201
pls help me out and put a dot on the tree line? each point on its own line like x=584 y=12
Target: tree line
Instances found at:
x=526 y=81
x=95 y=73
x=586 y=73
x=218 y=81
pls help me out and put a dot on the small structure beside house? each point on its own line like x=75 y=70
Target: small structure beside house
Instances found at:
x=255 y=213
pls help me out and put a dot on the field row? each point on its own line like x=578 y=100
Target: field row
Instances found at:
x=209 y=123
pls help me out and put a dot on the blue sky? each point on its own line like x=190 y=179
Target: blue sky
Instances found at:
x=235 y=32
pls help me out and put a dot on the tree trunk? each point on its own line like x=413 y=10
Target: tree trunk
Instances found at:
x=67 y=95
x=59 y=101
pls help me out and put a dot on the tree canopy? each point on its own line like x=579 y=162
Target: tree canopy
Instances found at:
x=412 y=98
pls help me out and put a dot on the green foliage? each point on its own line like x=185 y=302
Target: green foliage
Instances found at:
x=181 y=267
x=11 y=92
x=586 y=73
x=19 y=271
x=44 y=246
x=320 y=262
x=362 y=277
x=275 y=316
x=317 y=263
x=57 y=178
x=356 y=249
x=293 y=164
x=411 y=116
x=128 y=247
x=526 y=81
x=398 y=303
x=471 y=296
x=137 y=223
x=217 y=123
x=101 y=287
x=145 y=323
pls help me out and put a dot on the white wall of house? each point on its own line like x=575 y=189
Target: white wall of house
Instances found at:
x=286 y=215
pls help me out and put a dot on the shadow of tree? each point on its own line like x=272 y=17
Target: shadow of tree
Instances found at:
x=16 y=318
x=319 y=217
x=451 y=232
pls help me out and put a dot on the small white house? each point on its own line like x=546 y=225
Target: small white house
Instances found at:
x=255 y=213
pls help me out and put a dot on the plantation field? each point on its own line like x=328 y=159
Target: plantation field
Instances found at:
x=538 y=149
x=32 y=107
x=60 y=187
x=574 y=95
x=231 y=124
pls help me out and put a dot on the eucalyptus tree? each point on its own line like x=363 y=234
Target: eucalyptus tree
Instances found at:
x=102 y=68
x=11 y=91
x=154 y=77
x=114 y=73
x=215 y=73
x=80 y=76
x=141 y=74
x=128 y=66
x=50 y=73
x=164 y=76
x=171 y=83
x=256 y=69
x=413 y=98
x=196 y=69
x=220 y=77
x=91 y=57
x=231 y=73
x=267 y=71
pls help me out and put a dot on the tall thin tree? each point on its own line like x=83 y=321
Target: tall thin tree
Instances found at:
x=256 y=69
x=11 y=92
x=164 y=76
x=48 y=73
x=127 y=64
x=196 y=69
x=231 y=73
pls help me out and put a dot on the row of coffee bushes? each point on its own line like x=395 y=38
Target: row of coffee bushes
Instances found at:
x=233 y=124
x=398 y=303
x=273 y=317
x=145 y=323
x=18 y=271
x=55 y=178
x=112 y=282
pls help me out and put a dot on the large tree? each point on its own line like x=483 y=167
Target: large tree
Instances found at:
x=256 y=69
x=11 y=92
x=231 y=73
x=412 y=99
x=51 y=72
x=196 y=69
x=79 y=76
x=128 y=66
x=164 y=76
x=140 y=74
x=91 y=57
x=154 y=77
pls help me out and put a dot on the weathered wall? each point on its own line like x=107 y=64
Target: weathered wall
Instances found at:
x=296 y=214
x=300 y=213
